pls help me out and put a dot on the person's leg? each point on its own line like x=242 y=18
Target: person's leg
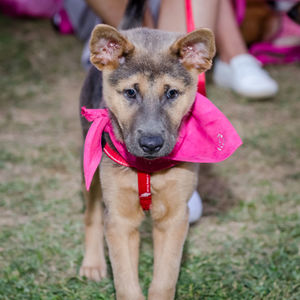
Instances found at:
x=172 y=14
x=206 y=13
x=111 y=12
x=229 y=40
x=236 y=68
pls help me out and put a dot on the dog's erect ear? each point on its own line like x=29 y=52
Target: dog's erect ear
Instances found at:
x=196 y=49
x=108 y=47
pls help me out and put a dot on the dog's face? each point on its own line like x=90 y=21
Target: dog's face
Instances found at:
x=149 y=82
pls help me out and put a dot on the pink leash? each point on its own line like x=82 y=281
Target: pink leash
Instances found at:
x=190 y=26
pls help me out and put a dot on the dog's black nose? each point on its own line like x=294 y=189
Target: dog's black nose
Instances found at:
x=151 y=144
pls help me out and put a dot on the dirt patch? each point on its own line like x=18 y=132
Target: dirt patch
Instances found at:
x=11 y=218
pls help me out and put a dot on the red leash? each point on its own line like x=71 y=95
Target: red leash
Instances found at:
x=144 y=190
x=144 y=183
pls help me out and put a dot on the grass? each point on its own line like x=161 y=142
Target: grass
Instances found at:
x=245 y=247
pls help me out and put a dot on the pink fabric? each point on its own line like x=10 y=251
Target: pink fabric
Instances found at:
x=240 y=10
x=268 y=53
x=206 y=136
x=274 y=51
x=288 y=28
x=31 y=8
x=64 y=24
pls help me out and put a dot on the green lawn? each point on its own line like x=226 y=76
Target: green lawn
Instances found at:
x=246 y=246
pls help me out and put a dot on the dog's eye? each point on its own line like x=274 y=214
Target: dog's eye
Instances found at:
x=130 y=93
x=172 y=94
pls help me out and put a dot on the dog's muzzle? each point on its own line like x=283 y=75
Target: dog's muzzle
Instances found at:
x=151 y=144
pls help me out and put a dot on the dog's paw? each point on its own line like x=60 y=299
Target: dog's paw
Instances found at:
x=96 y=273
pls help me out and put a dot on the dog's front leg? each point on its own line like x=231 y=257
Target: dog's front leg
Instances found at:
x=170 y=217
x=93 y=265
x=121 y=221
x=168 y=238
x=123 y=243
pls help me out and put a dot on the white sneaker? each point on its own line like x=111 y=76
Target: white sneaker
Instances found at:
x=195 y=207
x=244 y=75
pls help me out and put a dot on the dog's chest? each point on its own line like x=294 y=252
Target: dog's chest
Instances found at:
x=169 y=188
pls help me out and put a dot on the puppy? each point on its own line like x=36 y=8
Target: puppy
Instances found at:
x=147 y=79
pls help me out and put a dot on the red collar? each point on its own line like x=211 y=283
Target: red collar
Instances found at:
x=144 y=183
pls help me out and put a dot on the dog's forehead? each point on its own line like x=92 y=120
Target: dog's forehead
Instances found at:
x=151 y=57
x=151 y=39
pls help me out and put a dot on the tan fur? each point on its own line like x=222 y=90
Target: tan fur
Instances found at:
x=125 y=112
x=180 y=107
x=171 y=188
x=97 y=48
x=170 y=215
x=93 y=265
x=203 y=50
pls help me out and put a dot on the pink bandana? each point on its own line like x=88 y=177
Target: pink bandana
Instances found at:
x=205 y=136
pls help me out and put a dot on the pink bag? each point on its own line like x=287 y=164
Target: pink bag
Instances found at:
x=30 y=8
x=268 y=52
x=277 y=50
